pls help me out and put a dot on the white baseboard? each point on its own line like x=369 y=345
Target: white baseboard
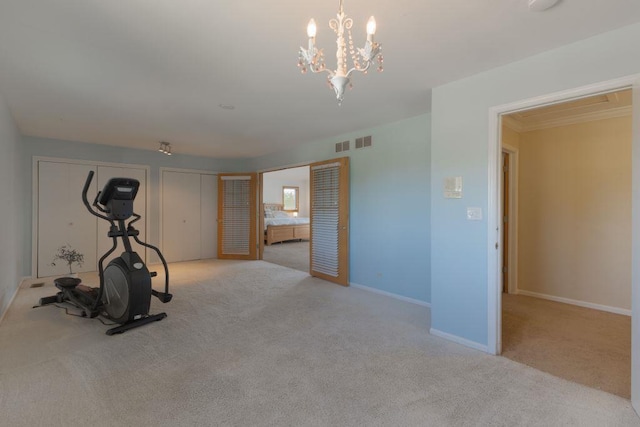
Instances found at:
x=391 y=295
x=13 y=297
x=27 y=281
x=601 y=307
x=465 y=342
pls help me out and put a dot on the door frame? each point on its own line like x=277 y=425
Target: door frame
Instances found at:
x=512 y=223
x=260 y=227
x=35 y=193
x=494 y=303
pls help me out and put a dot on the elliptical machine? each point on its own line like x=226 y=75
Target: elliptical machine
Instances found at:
x=124 y=295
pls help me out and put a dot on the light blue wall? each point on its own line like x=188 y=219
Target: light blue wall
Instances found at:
x=11 y=209
x=43 y=147
x=459 y=147
x=389 y=206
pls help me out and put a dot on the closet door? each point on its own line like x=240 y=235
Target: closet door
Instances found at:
x=63 y=218
x=191 y=237
x=208 y=214
x=105 y=173
x=181 y=238
x=329 y=184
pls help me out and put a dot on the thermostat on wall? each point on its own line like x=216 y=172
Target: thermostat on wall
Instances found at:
x=453 y=187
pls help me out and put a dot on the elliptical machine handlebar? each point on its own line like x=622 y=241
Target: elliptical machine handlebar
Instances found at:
x=87 y=183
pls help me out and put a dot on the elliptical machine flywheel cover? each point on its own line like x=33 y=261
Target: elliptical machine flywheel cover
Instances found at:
x=122 y=302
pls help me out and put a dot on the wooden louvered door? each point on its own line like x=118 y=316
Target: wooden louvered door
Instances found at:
x=237 y=216
x=329 y=185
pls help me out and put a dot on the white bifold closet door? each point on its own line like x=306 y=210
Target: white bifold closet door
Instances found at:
x=105 y=173
x=63 y=218
x=329 y=185
x=208 y=215
x=188 y=216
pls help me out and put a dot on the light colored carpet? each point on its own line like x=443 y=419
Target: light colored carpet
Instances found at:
x=590 y=347
x=256 y=344
x=290 y=254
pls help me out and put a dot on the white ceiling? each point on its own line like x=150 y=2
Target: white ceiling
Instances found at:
x=135 y=72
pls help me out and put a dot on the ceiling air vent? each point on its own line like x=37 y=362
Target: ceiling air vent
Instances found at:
x=363 y=142
x=342 y=146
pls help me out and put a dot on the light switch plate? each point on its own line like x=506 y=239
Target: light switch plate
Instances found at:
x=474 y=214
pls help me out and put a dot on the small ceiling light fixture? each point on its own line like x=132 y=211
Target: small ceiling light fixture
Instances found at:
x=540 y=5
x=165 y=148
x=362 y=59
x=227 y=107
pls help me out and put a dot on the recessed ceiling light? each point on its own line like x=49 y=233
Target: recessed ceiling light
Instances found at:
x=540 y=5
x=227 y=107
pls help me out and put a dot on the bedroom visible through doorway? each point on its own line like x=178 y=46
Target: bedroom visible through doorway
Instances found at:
x=286 y=207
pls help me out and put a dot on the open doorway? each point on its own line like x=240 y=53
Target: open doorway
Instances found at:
x=286 y=207
x=566 y=239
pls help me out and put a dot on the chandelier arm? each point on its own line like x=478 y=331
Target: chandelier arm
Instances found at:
x=359 y=69
x=330 y=72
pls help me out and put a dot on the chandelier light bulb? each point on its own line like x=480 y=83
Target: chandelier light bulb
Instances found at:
x=371 y=26
x=312 y=28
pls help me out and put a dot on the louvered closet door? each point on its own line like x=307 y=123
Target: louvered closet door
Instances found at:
x=330 y=220
x=237 y=216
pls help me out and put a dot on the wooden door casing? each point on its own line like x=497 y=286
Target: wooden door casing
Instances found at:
x=505 y=221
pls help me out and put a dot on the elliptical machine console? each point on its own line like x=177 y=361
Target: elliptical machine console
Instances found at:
x=125 y=291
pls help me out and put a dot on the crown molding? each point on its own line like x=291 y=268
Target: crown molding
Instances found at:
x=611 y=113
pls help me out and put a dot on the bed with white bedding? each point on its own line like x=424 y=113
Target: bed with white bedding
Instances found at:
x=280 y=227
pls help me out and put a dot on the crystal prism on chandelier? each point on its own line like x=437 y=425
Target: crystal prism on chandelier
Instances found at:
x=361 y=58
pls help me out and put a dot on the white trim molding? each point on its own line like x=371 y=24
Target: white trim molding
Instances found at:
x=390 y=295
x=601 y=307
x=459 y=340
x=11 y=300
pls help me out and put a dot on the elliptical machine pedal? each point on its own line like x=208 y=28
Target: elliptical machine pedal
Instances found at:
x=124 y=294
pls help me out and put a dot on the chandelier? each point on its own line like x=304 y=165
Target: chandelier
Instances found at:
x=362 y=58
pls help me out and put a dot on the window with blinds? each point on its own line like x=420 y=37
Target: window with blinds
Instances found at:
x=236 y=215
x=325 y=210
